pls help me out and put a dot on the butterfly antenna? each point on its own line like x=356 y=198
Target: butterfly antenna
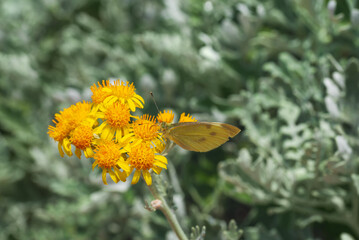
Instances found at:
x=154 y=100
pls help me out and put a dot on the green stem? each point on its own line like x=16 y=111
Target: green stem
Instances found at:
x=169 y=214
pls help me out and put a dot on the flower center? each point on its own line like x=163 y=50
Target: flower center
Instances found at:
x=142 y=156
x=146 y=128
x=82 y=137
x=146 y=131
x=118 y=115
x=107 y=154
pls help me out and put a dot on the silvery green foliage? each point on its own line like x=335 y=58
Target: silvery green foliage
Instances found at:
x=285 y=71
x=301 y=128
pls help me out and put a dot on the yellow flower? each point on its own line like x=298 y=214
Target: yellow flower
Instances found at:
x=116 y=121
x=104 y=130
x=187 y=118
x=145 y=129
x=165 y=116
x=125 y=93
x=143 y=157
x=110 y=157
x=100 y=93
x=82 y=138
x=66 y=121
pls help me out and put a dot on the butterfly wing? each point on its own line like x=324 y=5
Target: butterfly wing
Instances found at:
x=201 y=136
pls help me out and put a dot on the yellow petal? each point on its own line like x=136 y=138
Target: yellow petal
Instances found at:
x=107 y=133
x=107 y=89
x=113 y=176
x=104 y=171
x=147 y=177
x=161 y=158
x=78 y=152
x=126 y=138
x=100 y=115
x=124 y=166
x=67 y=147
x=160 y=164
x=134 y=144
x=100 y=128
x=137 y=102
x=136 y=177
x=88 y=152
x=139 y=98
x=132 y=105
x=110 y=100
x=95 y=108
x=121 y=175
x=94 y=164
x=59 y=146
x=118 y=136
x=156 y=169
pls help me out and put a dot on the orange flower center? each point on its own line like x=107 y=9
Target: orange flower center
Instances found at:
x=118 y=115
x=82 y=137
x=146 y=128
x=146 y=131
x=107 y=154
x=142 y=157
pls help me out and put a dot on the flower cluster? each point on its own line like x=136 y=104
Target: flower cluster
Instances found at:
x=107 y=130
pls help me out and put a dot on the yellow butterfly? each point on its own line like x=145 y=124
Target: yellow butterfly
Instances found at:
x=199 y=136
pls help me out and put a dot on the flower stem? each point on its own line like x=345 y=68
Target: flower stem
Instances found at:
x=169 y=214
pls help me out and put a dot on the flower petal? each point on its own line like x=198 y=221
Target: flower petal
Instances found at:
x=136 y=177
x=132 y=105
x=161 y=158
x=104 y=171
x=78 y=152
x=94 y=164
x=88 y=152
x=160 y=164
x=67 y=147
x=108 y=133
x=121 y=175
x=137 y=102
x=59 y=146
x=147 y=177
x=139 y=98
x=110 y=100
x=99 y=129
x=127 y=138
x=124 y=166
x=113 y=176
x=157 y=170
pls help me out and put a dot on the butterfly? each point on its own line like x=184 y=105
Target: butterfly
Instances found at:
x=199 y=136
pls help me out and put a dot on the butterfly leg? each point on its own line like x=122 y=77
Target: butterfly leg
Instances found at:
x=169 y=146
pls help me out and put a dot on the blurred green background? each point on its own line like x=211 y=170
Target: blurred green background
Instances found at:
x=285 y=72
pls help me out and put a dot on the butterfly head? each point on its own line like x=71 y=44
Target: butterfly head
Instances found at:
x=164 y=126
